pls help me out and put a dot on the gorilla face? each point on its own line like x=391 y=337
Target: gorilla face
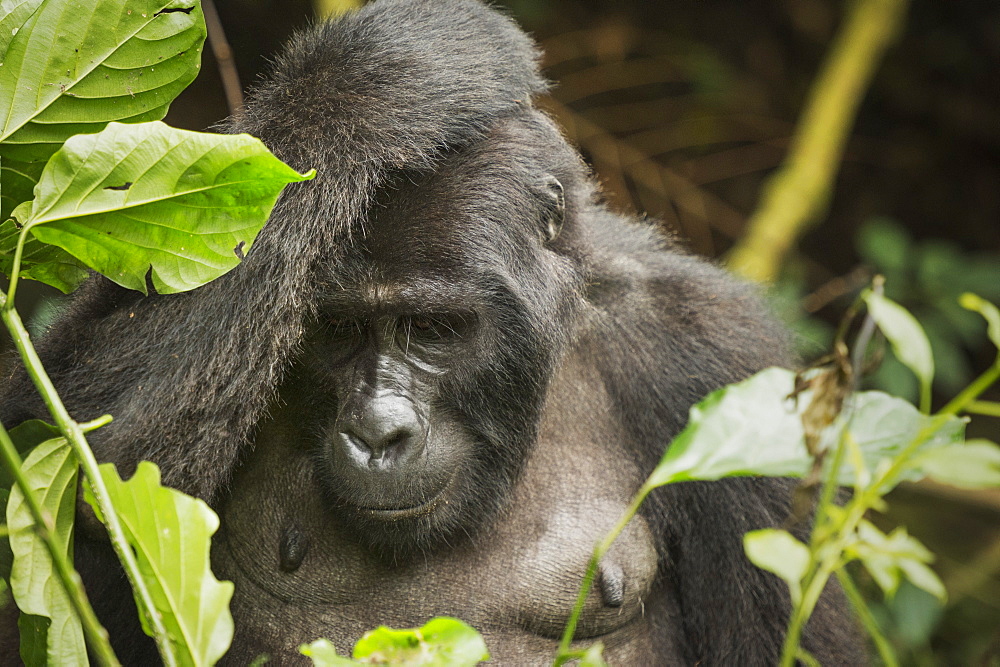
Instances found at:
x=425 y=367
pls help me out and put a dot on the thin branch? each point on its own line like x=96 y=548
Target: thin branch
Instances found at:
x=223 y=57
x=799 y=193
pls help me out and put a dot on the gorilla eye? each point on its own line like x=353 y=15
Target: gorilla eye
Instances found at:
x=342 y=328
x=435 y=328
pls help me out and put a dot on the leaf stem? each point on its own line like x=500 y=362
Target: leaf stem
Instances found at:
x=74 y=434
x=97 y=635
x=987 y=408
x=882 y=644
x=15 y=270
x=969 y=395
x=602 y=547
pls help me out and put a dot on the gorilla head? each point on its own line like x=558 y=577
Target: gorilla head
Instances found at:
x=438 y=377
x=434 y=335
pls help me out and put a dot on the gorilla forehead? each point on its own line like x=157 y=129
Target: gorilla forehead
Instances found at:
x=477 y=214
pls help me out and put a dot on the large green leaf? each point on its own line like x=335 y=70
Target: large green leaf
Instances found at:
x=752 y=428
x=51 y=469
x=71 y=67
x=171 y=535
x=147 y=199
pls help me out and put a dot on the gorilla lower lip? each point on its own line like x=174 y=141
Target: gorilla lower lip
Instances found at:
x=399 y=513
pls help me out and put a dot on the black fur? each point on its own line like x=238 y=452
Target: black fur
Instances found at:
x=427 y=105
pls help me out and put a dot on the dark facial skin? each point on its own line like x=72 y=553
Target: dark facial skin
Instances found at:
x=422 y=377
x=387 y=449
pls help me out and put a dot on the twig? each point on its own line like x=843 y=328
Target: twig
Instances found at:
x=223 y=57
x=800 y=191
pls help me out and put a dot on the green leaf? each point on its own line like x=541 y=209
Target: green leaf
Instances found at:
x=44 y=263
x=34 y=633
x=26 y=436
x=779 y=552
x=441 y=642
x=51 y=469
x=907 y=337
x=728 y=429
x=71 y=67
x=171 y=535
x=885 y=244
x=17 y=183
x=988 y=311
x=752 y=428
x=884 y=425
x=323 y=654
x=593 y=656
x=146 y=199
x=889 y=557
x=973 y=465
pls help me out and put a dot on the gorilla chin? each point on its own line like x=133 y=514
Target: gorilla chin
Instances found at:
x=402 y=499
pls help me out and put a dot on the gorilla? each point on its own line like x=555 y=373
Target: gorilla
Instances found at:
x=438 y=378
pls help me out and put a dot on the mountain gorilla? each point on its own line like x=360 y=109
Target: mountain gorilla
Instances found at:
x=438 y=377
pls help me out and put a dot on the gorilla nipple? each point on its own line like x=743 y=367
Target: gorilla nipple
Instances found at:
x=612 y=583
x=292 y=549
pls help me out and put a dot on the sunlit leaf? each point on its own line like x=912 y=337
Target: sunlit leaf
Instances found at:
x=324 y=654
x=593 y=656
x=17 y=183
x=907 y=337
x=988 y=311
x=71 y=67
x=973 y=465
x=182 y=207
x=170 y=533
x=890 y=557
x=752 y=428
x=441 y=642
x=779 y=552
x=39 y=261
x=51 y=469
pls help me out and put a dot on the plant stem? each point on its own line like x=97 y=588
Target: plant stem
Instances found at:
x=97 y=636
x=800 y=615
x=865 y=616
x=588 y=578
x=968 y=395
x=7 y=303
x=987 y=408
x=801 y=189
x=77 y=440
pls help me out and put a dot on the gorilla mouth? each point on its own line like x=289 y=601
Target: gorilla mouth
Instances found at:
x=410 y=511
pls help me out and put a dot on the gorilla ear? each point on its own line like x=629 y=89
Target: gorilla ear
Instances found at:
x=555 y=209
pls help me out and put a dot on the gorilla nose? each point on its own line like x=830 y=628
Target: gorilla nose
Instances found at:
x=383 y=433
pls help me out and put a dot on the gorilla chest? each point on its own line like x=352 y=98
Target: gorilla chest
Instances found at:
x=300 y=574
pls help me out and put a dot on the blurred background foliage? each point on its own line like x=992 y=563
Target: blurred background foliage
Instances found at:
x=683 y=109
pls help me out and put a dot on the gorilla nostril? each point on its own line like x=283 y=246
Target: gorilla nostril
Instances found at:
x=382 y=449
